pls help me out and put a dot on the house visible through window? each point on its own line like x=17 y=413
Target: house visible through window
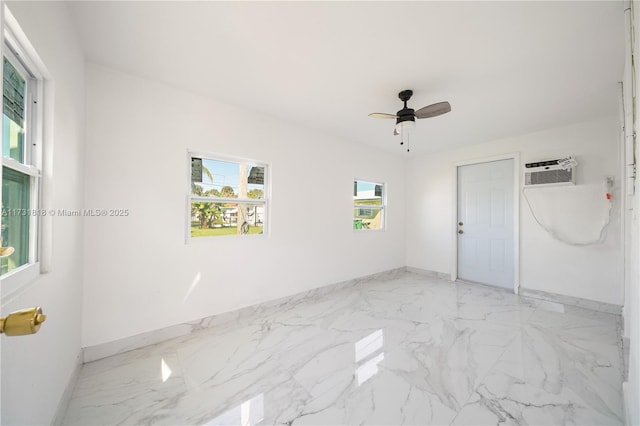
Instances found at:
x=20 y=168
x=368 y=205
x=227 y=197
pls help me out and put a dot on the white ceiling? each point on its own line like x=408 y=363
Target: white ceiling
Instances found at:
x=507 y=68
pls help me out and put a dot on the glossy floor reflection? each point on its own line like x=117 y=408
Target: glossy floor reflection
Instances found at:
x=408 y=350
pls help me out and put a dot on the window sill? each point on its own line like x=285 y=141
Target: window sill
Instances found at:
x=200 y=240
x=18 y=279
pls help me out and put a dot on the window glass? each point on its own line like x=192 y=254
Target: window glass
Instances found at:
x=215 y=178
x=15 y=218
x=217 y=219
x=368 y=201
x=13 y=112
x=226 y=197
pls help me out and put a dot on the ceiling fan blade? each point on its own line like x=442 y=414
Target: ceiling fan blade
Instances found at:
x=433 y=110
x=382 y=115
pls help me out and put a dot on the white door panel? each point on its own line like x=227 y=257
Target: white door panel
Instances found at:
x=485 y=209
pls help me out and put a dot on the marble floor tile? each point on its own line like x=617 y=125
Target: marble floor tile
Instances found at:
x=407 y=350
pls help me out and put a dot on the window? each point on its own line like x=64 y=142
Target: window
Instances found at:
x=21 y=124
x=226 y=196
x=368 y=205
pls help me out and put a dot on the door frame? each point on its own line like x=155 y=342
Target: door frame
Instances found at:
x=515 y=156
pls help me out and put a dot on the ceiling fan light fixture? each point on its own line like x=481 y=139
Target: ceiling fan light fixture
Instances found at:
x=405 y=127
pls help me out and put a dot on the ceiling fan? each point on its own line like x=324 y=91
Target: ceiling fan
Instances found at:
x=406 y=117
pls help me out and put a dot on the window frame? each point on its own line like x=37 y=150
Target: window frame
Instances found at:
x=382 y=207
x=247 y=201
x=24 y=59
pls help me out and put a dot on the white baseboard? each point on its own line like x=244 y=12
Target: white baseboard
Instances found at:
x=95 y=352
x=61 y=411
x=439 y=275
x=592 y=305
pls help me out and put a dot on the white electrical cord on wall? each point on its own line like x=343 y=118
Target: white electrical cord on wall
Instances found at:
x=557 y=237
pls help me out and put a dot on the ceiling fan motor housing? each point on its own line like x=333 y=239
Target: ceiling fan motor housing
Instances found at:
x=405 y=114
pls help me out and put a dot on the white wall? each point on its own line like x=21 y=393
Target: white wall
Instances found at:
x=37 y=368
x=139 y=270
x=590 y=272
x=632 y=230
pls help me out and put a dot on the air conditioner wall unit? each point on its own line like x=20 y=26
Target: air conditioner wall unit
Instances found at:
x=550 y=172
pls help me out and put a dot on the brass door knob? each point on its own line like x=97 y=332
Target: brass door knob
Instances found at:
x=461 y=232
x=19 y=323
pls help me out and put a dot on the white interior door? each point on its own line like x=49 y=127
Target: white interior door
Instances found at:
x=486 y=223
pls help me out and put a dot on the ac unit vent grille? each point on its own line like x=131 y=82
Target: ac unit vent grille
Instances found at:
x=546 y=177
